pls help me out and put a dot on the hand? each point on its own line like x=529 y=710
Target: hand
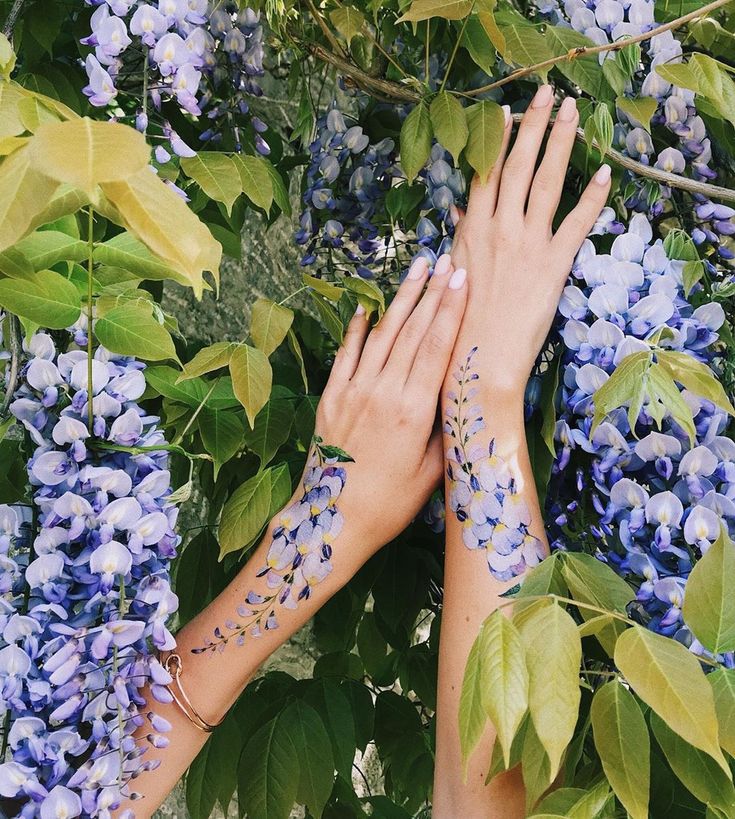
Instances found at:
x=517 y=266
x=380 y=405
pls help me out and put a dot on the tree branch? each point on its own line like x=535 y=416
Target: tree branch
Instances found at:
x=12 y=19
x=16 y=351
x=587 y=51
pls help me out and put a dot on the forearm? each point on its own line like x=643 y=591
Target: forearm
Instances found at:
x=477 y=572
x=213 y=678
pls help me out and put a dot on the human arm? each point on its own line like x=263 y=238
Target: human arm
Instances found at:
x=379 y=407
x=517 y=268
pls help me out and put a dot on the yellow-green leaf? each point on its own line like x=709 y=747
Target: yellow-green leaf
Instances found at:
x=472 y=715
x=222 y=435
x=639 y=109
x=245 y=513
x=535 y=767
x=622 y=741
x=696 y=377
x=348 y=21
x=44 y=298
x=425 y=9
x=85 y=153
x=216 y=174
x=255 y=179
x=210 y=358
x=553 y=654
x=486 y=123
x=131 y=329
x=7 y=57
x=709 y=605
x=416 y=134
x=269 y=324
x=504 y=679
x=722 y=682
x=11 y=95
x=450 y=122
x=252 y=378
x=669 y=678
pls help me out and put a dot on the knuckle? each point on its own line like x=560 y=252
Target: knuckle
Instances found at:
x=435 y=342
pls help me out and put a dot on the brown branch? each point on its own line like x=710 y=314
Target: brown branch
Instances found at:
x=12 y=19
x=587 y=51
x=331 y=39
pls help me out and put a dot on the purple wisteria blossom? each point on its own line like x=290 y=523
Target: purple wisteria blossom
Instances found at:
x=83 y=613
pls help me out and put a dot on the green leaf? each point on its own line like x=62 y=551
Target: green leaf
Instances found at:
x=44 y=248
x=584 y=71
x=524 y=45
x=696 y=377
x=639 y=109
x=131 y=329
x=621 y=740
x=553 y=653
x=546 y=578
x=669 y=678
x=129 y=253
x=449 y=121
x=369 y=295
x=329 y=316
x=665 y=397
x=271 y=430
x=348 y=21
x=478 y=44
x=504 y=678
x=269 y=324
x=575 y=803
x=85 y=153
x=7 y=57
x=314 y=751
x=604 y=128
x=295 y=347
x=416 y=134
x=330 y=702
x=722 y=682
x=534 y=766
x=709 y=606
x=697 y=771
x=252 y=377
x=13 y=263
x=268 y=773
x=486 y=123
x=207 y=360
x=327 y=289
x=245 y=514
x=472 y=715
x=216 y=174
x=256 y=179
x=44 y=298
x=280 y=191
x=222 y=435
x=212 y=776
x=425 y=9
x=626 y=385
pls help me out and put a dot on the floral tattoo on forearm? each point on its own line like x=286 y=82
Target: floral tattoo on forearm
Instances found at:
x=482 y=491
x=300 y=553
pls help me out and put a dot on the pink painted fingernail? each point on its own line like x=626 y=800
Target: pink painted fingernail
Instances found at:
x=359 y=310
x=444 y=262
x=567 y=110
x=506 y=114
x=418 y=268
x=602 y=177
x=543 y=97
x=458 y=278
x=454 y=214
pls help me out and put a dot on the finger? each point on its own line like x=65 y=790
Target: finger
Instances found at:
x=549 y=180
x=574 y=229
x=484 y=197
x=521 y=163
x=432 y=466
x=413 y=331
x=348 y=356
x=382 y=338
x=432 y=359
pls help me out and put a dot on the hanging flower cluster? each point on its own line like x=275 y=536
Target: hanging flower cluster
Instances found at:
x=205 y=59
x=83 y=612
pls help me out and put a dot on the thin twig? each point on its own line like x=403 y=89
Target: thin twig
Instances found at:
x=16 y=351
x=588 y=51
x=12 y=19
x=333 y=41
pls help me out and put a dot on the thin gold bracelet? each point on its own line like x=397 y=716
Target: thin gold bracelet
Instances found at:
x=169 y=659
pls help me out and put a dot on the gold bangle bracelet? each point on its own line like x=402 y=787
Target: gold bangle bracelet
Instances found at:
x=173 y=665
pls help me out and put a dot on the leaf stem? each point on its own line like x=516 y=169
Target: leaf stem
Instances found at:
x=90 y=316
x=180 y=437
x=454 y=50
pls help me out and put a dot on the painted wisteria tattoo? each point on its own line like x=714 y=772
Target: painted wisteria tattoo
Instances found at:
x=300 y=552
x=483 y=493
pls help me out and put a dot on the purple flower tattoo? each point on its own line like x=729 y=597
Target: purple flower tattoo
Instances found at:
x=300 y=553
x=483 y=492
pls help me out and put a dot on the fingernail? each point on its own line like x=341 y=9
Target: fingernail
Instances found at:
x=457 y=279
x=454 y=215
x=418 y=268
x=602 y=177
x=359 y=310
x=567 y=110
x=444 y=262
x=542 y=97
x=506 y=113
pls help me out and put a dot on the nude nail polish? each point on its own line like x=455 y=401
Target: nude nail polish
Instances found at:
x=458 y=279
x=602 y=177
x=543 y=97
x=359 y=310
x=418 y=268
x=567 y=110
x=444 y=262
x=506 y=114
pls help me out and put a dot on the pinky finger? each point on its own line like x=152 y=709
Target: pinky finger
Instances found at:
x=574 y=229
x=348 y=355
